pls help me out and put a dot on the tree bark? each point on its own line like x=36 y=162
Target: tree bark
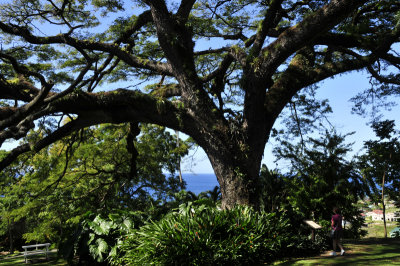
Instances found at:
x=383 y=204
x=239 y=185
x=237 y=171
x=383 y=198
x=11 y=238
x=384 y=216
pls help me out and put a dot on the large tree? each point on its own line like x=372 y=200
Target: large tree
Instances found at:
x=219 y=71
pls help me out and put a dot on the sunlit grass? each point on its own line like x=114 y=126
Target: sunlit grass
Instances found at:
x=376 y=229
x=370 y=251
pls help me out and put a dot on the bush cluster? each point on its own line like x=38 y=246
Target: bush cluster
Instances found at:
x=204 y=235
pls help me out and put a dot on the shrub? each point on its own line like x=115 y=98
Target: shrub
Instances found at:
x=204 y=235
x=96 y=237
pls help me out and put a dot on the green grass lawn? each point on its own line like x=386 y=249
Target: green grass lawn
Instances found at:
x=376 y=230
x=18 y=259
x=368 y=251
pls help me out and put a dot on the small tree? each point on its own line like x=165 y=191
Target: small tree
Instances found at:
x=320 y=177
x=89 y=171
x=380 y=164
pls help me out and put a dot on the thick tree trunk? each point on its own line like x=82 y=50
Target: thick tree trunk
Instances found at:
x=239 y=181
x=238 y=189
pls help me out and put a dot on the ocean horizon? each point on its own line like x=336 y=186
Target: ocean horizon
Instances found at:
x=198 y=183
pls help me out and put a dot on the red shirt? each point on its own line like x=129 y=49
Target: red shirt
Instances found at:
x=336 y=221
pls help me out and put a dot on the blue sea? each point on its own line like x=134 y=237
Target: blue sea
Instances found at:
x=200 y=182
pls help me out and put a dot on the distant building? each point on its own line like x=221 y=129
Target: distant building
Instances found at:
x=377 y=215
x=392 y=217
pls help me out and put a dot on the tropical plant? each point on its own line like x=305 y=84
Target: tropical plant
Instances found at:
x=205 y=235
x=95 y=238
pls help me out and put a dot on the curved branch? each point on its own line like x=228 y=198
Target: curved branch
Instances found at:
x=100 y=73
x=269 y=22
x=184 y=10
x=111 y=107
x=112 y=48
x=304 y=32
x=13 y=155
x=221 y=70
x=392 y=59
x=381 y=78
x=22 y=91
x=237 y=36
x=21 y=112
x=141 y=20
x=212 y=51
x=56 y=135
x=298 y=76
x=73 y=85
x=18 y=131
x=22 y=70
x=342 y=40
x=167 y=91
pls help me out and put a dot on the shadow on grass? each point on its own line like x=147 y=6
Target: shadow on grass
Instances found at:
x=358 y=252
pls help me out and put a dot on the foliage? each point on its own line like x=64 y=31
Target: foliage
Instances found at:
x=380 y=164
x=274 y=190
x=91 y=171
x=95 y=238
x=204 y=235
x=12 y=227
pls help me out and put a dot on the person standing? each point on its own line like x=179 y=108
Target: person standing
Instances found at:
x=337 y=231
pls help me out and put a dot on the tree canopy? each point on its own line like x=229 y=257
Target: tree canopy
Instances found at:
x=219 y=71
